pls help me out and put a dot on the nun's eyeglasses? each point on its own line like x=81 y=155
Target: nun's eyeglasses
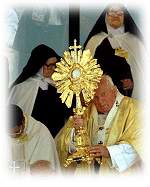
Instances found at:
x=115 y=13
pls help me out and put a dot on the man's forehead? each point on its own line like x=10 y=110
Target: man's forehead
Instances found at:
x=102 y=87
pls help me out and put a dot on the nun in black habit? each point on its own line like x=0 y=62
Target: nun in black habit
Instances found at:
x=35 y=92
x=115 y=29
x=116 y=67
x=101 y=25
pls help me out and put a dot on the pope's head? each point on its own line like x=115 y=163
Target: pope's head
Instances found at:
x=105 y=95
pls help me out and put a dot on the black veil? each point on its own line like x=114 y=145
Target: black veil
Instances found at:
x=100 y=25
x=38 y=58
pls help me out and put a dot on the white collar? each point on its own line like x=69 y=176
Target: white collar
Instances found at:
x=114 y=109
x=43 y=82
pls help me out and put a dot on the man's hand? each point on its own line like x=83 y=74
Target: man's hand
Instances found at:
x=98 y=151
x=78 y=122
x=40 y=167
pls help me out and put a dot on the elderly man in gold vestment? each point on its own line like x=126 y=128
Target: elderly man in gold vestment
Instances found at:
x=112 y=122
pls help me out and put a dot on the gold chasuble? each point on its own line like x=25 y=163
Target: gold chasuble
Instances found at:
x=125 y=128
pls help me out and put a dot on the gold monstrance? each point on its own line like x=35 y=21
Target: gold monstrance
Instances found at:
x=77 y=73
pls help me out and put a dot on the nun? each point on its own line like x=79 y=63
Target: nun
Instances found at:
x=35 y=93
x=116 y=28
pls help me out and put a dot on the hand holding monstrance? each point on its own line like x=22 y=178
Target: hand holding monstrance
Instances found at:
x=77 y=74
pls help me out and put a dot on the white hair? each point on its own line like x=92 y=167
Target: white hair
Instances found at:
x=108 y=79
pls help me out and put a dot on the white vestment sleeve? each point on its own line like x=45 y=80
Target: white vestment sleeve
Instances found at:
x=122 y=156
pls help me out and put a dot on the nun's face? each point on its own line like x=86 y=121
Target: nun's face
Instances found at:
x=115 y=17
x=49 y=67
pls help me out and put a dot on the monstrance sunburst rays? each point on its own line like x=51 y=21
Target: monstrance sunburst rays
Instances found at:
x=77 y=73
